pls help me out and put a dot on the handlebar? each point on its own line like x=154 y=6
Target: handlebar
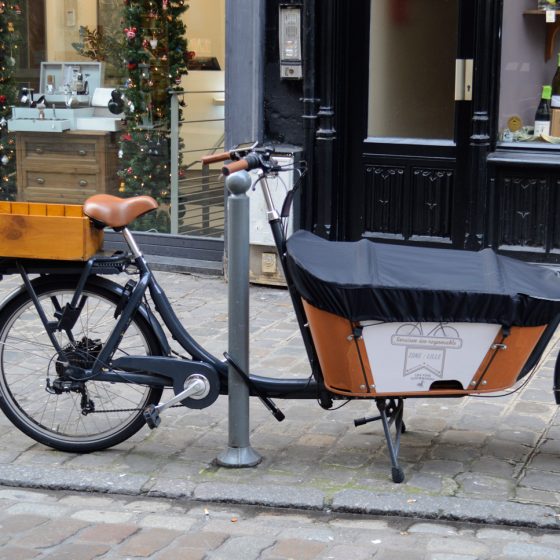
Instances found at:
x=235 y=166
x=247 y=158
x=223 y=156
x=252 y=160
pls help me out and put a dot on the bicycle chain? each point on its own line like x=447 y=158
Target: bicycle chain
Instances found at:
x=104 y=411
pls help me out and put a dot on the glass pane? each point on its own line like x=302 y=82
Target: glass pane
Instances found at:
x=526 y=66
x=54 y=32
x=413 y=45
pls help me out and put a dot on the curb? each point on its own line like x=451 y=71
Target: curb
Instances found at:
x=346 y=501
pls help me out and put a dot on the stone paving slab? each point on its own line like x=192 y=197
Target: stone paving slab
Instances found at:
x=117 y=527
x=457 y=453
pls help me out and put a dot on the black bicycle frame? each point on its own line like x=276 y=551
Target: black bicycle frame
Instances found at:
x=164 y=370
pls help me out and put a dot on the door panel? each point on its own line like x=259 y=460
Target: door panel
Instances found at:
x=409 y=201
x=432 y=193
x=409 y=187
x=384 y=193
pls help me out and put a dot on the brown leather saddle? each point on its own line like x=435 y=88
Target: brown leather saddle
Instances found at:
x=112 y=211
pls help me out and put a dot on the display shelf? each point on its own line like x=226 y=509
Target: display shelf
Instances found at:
x=59 y=74
x=551 y=30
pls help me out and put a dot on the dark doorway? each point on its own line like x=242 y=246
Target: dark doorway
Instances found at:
x=408 y=121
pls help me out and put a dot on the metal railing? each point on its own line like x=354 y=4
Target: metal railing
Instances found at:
x=197 y=191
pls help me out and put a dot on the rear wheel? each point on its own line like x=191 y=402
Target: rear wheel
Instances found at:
x=76 y=416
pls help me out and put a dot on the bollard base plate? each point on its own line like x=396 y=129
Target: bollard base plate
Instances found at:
x=238 y=457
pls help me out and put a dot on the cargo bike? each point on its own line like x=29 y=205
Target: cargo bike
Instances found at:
x=84 y=359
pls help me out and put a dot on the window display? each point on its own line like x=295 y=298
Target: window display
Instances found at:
x=529 y=110
x=85 y=104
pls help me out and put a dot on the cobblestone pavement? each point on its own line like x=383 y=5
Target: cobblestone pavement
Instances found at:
x=494 y=459
x=62 y=525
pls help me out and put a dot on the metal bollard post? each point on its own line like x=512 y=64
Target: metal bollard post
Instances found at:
x=239 y=452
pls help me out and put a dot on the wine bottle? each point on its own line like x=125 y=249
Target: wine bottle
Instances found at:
x=542 y=116
x=555 y=101
x=546 y=4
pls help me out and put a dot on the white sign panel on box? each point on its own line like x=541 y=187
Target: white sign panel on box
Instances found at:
x=409 y=357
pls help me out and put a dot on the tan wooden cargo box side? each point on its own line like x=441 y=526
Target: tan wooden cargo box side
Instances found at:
x=348 y=370
x=47 y=231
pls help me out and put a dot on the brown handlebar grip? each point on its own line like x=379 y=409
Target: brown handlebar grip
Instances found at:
x=235 y=166
x=223 y=156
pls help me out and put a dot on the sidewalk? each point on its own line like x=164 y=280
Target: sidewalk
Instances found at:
x=482 y=459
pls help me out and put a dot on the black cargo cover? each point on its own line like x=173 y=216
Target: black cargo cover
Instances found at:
x=375 y=281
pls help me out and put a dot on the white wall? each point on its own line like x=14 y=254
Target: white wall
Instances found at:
x=61 y=35
x=205 y=21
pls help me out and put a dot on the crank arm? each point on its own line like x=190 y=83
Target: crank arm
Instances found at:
x=196 y=386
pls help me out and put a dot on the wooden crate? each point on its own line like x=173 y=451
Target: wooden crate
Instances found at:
x=47 y=231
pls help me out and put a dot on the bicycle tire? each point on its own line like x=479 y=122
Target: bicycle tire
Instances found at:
x=28 y=361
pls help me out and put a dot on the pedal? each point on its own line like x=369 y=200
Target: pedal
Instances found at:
x=151 y=415
x=366 y=420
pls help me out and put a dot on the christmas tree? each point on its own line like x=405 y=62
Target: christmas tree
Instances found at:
x=9 y=38
x=155 y=52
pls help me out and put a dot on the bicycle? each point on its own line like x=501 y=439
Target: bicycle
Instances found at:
x=84 y=360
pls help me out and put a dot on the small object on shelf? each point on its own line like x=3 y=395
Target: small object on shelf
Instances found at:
x=507 y=135
x=116 y=103
x=546 y=4
x=542 y=116
x=26 y=96
x=50 y=84
x=514 y=123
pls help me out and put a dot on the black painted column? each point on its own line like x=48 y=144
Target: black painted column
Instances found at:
x=325 y=136
x=309 y=116
x=486 y=77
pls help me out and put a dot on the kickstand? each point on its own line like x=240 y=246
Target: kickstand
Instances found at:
x=390 y=412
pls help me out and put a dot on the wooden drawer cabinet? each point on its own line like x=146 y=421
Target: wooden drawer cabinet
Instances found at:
x=66 y=167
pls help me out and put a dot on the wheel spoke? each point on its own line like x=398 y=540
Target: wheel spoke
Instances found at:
x=28 y=360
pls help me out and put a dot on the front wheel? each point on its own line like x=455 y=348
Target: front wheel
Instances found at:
x=82 y=416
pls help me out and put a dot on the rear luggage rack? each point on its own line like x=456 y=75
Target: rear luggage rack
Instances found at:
x=111 y=264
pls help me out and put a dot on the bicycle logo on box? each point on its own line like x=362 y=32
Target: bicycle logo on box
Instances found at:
x=425 y=352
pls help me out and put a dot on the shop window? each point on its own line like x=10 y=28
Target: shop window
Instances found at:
x=54 y=33
x=529 y=61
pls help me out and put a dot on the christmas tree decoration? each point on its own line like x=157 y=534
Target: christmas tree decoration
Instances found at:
x=10 y=38
x=102 y=45
x=130 y=32
x=153 y=46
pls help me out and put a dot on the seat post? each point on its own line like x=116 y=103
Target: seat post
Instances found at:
x=131 y=243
